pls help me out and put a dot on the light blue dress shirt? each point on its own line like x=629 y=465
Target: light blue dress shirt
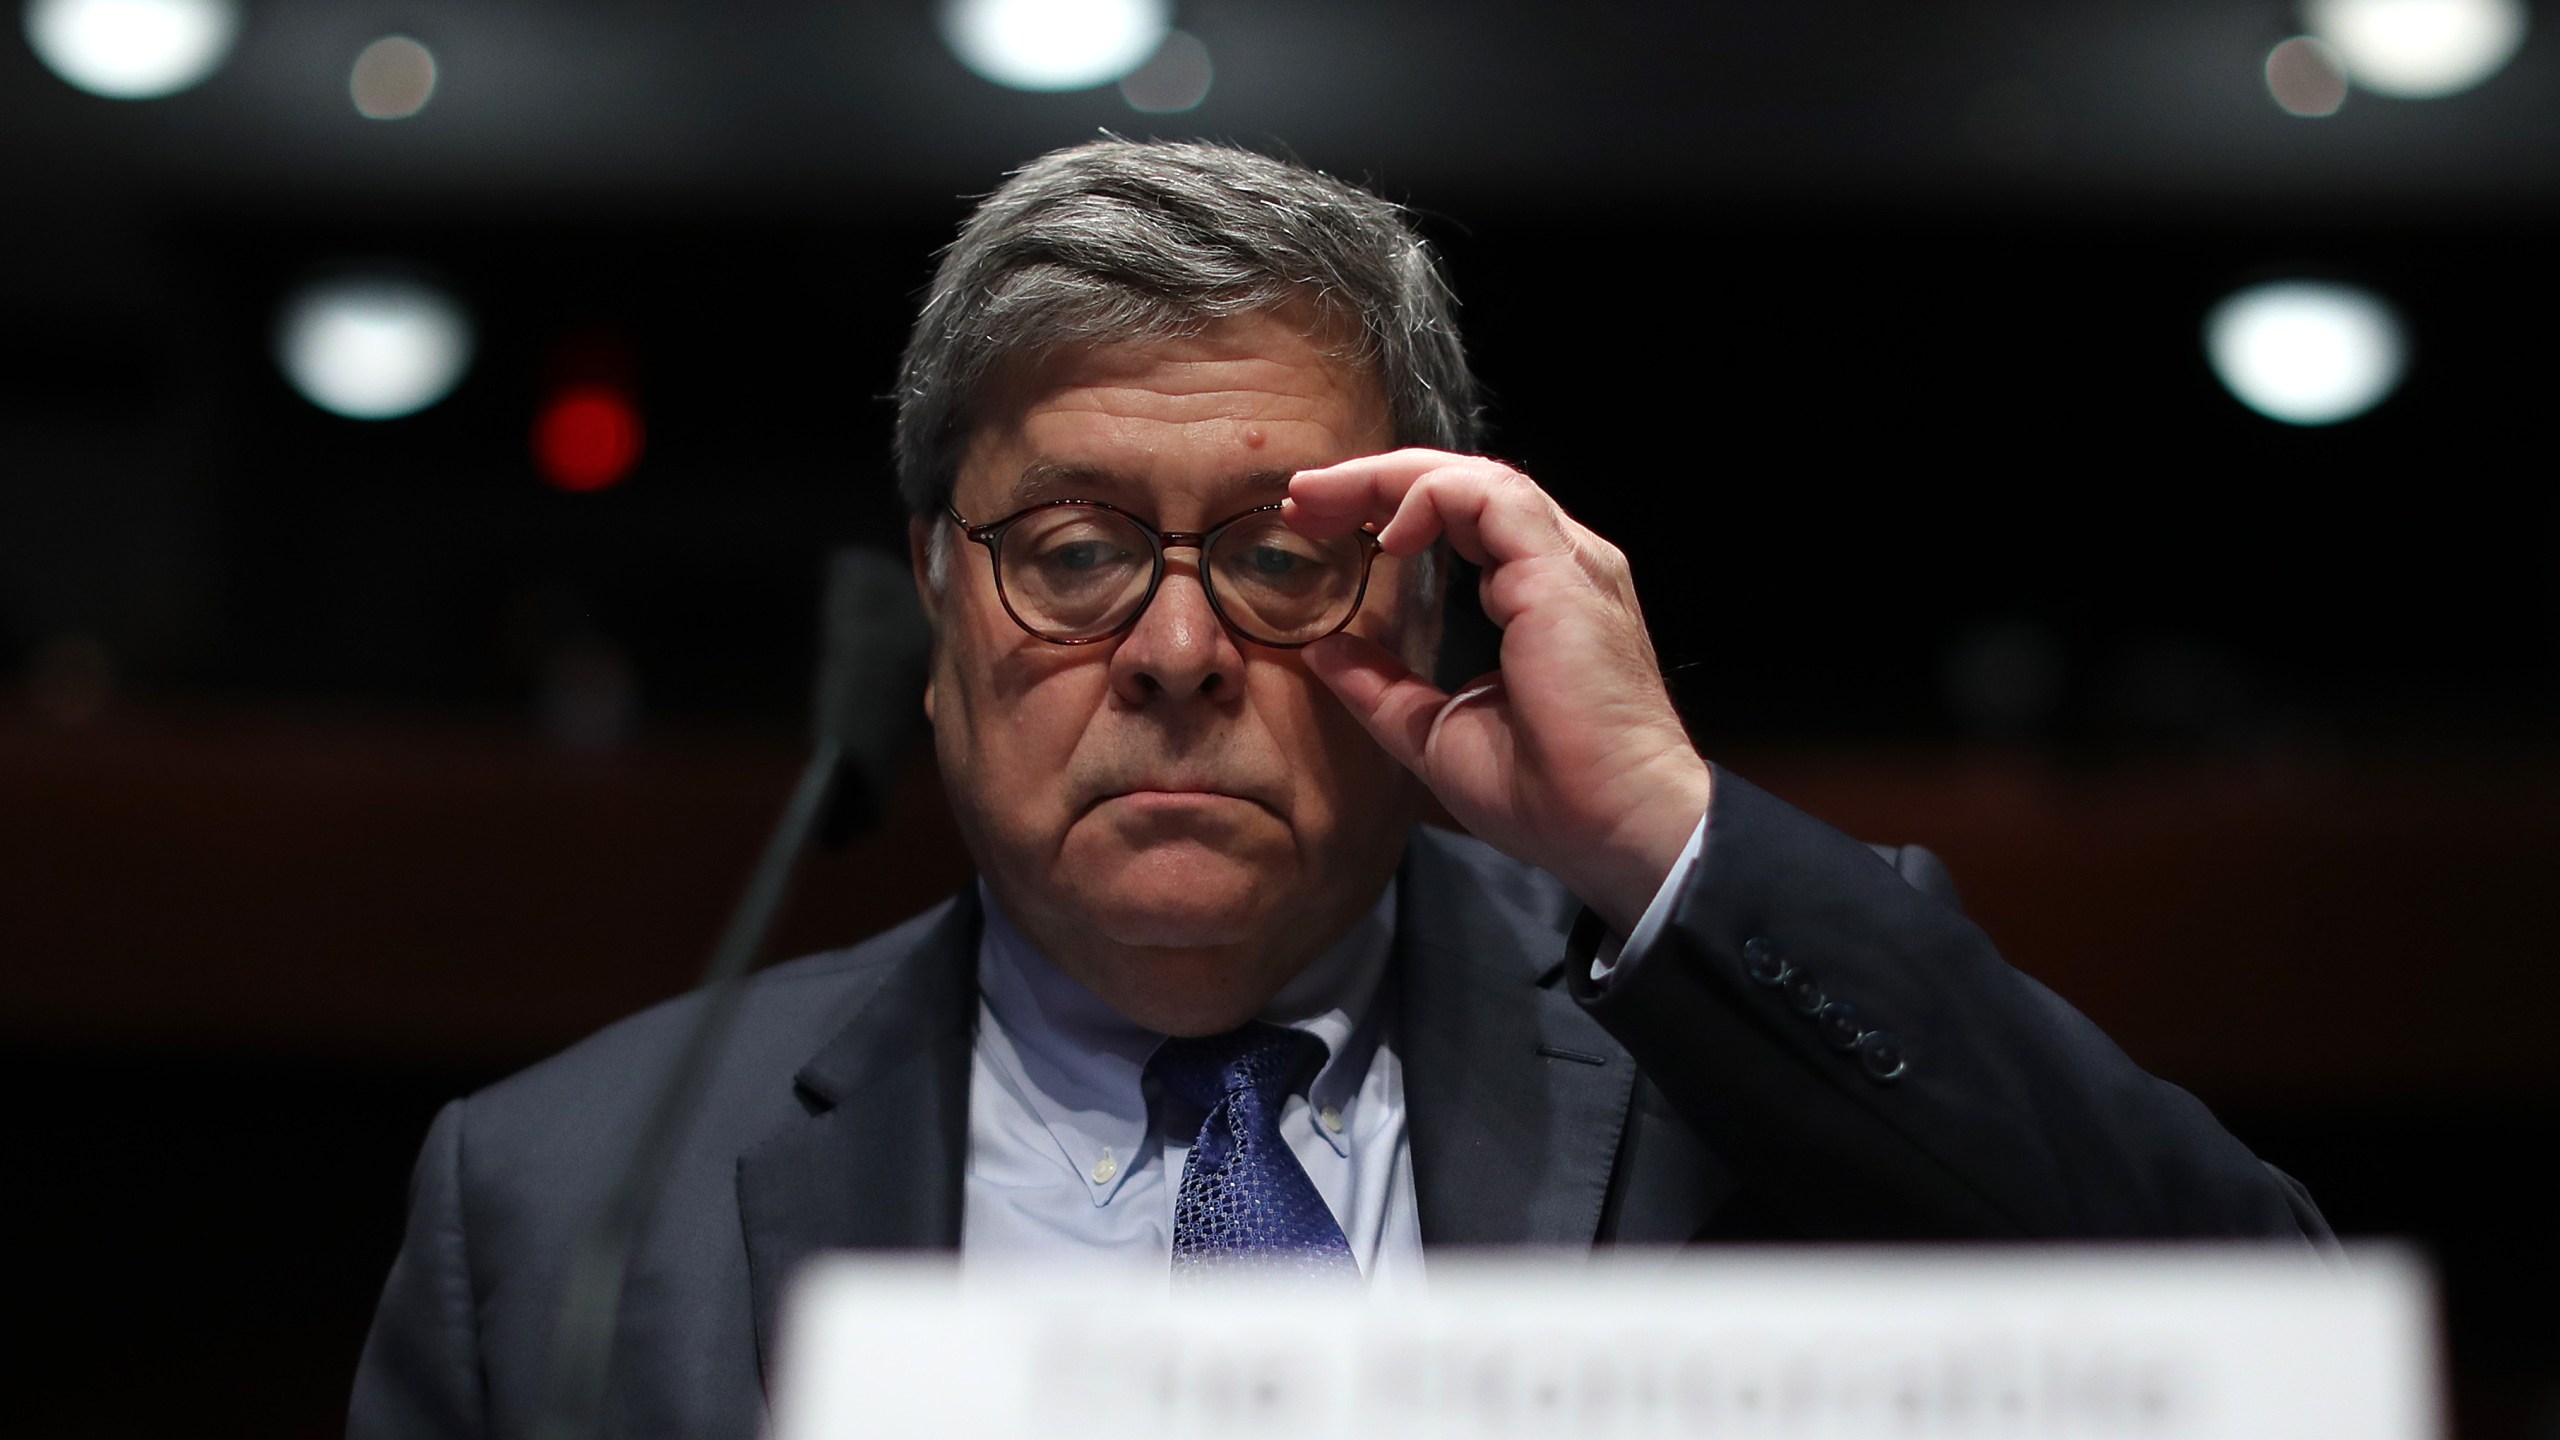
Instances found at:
x=1073 y=1161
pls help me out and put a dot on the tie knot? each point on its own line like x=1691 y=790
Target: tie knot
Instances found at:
x=1256 y=1059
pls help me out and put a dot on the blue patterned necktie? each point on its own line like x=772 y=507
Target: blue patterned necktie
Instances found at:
x=1245 y=1202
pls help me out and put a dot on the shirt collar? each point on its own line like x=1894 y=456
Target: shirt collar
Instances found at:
x=1335 y=999
x=1075 y=1061
x=1079 y=1065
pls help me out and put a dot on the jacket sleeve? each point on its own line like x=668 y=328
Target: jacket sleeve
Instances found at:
x=420 y=1376
x=1824 y=1018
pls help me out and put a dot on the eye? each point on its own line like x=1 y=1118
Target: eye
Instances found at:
x=1079 y=546
x=1079 y=555
x=1271 y=560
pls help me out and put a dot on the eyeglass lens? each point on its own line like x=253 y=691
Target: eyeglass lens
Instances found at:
x=1076 y=571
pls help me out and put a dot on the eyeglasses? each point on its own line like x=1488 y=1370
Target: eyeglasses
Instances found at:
x=1076 y=571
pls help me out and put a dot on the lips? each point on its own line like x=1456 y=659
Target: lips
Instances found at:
x=1175 y=789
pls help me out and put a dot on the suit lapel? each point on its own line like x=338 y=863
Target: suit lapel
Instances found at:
x=1515 y=1098
x=877 y=1161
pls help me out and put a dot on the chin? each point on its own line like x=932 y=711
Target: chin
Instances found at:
x=1179 y=897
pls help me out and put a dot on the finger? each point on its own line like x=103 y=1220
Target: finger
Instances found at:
x=1598 y=569
x=1396 y=706
x=1369 y=490
x=1491 y=513
x=1362 y=491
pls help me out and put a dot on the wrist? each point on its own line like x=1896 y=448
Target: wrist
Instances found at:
x=1619 y=877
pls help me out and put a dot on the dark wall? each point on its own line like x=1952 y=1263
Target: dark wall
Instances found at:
x=1841 y=448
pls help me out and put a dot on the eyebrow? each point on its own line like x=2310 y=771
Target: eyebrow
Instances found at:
x=1048 y=480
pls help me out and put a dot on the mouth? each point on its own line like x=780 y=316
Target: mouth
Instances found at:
x=1174 y=796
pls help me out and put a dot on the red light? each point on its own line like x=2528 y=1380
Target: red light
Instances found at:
x=587 y=437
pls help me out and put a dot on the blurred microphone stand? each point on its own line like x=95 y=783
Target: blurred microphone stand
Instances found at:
x=872 y=648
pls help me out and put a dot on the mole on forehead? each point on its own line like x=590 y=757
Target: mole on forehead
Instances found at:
x=1085 y=482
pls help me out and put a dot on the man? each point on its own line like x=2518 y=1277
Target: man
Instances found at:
x=1183 y=433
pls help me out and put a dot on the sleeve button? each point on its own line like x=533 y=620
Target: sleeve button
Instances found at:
x=1762 y=962
x=1881 y=1055
x=1841 y=1026
x=1804 y=993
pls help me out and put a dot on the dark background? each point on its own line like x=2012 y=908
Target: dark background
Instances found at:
x=346 y=766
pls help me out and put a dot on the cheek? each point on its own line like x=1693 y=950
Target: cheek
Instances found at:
x=1006 y=716
x=1338 y=771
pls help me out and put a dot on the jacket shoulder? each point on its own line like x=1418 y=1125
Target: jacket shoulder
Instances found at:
x=1449 y=874
x=602 y=1085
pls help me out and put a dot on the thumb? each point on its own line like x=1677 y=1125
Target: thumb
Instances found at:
x=1397 y=706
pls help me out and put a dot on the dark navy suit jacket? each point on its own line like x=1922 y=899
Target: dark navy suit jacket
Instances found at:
x=1706 y=1094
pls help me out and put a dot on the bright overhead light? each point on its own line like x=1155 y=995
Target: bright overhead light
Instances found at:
x=132 y=49
x=2419 y=49
x=1054 y=44
x=2306 y=352
x=373 y=348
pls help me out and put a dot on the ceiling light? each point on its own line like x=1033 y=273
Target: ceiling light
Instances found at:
x=373 y=348
x=2419 y=49
x=132 y=49
x=1054 y=44
x=1176 y=79
x=2306 y=77
x=2306 y=352
x=392 y=79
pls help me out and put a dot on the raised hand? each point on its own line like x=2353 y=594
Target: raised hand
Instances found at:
x=1568 y=756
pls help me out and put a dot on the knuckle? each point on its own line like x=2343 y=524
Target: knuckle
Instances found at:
x=1604 y=563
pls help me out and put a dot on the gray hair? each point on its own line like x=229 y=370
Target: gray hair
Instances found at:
x=1121 y=240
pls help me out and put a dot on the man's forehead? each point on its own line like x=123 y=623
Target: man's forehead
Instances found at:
x=1068 y=480
x=1213 y=419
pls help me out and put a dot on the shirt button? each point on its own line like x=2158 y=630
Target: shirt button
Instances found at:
x=1332 y=1119
x=1105 y=1168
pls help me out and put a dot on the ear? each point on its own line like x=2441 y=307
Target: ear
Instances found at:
x=920 y=561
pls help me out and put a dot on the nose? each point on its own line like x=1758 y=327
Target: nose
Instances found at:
x=1177 y=649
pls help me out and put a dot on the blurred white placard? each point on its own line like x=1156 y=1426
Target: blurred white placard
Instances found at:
x=2166 y=1343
